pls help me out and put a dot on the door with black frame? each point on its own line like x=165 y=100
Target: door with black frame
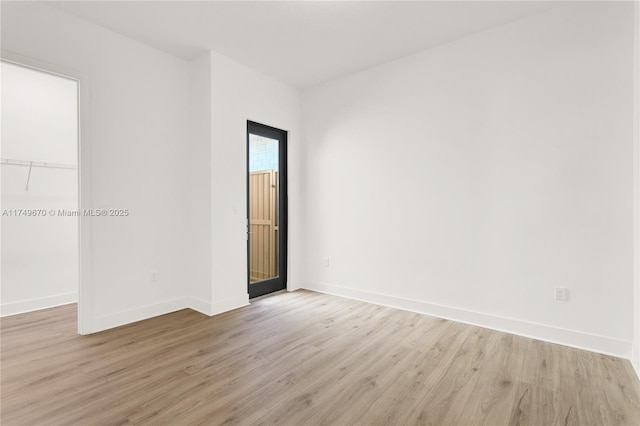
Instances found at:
x=266 y=209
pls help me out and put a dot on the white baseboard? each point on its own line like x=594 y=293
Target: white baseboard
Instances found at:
x=130 y=316
x=293 y=286
x=200 y=305
x=29 y=305
x=573 y=338
x=229 y=304
x=138 y=314
x=219 y=307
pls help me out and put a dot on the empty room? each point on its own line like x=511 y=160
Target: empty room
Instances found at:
x=320 y=212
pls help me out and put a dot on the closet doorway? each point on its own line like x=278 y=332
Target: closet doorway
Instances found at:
x=40 y=255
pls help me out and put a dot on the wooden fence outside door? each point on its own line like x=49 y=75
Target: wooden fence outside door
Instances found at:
x=263 y=225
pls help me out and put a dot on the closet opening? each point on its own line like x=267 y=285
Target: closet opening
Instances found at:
x=39 y=158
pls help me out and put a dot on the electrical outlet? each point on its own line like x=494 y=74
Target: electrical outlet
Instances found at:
x=326 y=261
x=561 y=294
x=153 y=277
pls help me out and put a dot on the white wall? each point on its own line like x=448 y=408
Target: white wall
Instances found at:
x=39 y=260
x=470 y=179
x=239 y=94
x=224 y=96
x=465 y=181
x=200 y=183
x=165 y=139
x=135 y=127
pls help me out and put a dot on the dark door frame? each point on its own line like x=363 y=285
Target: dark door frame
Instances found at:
x=280 y=282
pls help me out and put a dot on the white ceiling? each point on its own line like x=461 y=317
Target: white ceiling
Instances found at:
x=302 y=43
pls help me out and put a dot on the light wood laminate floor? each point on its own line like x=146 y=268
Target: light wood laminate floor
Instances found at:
x=302 y=358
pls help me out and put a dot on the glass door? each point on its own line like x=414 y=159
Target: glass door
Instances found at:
x=266 y=209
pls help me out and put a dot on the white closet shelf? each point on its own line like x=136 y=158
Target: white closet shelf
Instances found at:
x=13 y=162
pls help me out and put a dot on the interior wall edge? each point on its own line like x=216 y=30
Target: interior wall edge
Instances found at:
x=30 y=305
x=200 y=305
x=573 y=338
x=293 y=286
x=229 y=304
x=214 y=308
x=635 y=360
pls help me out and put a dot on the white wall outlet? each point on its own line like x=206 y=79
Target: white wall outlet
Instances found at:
x=153 y=277
x=326 y=261
x=561 y=294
